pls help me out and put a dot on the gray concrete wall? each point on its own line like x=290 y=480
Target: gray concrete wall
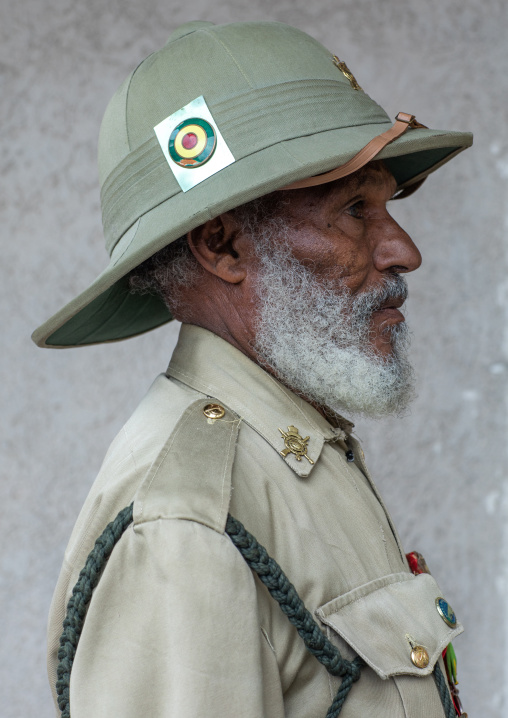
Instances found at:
x=442 y=468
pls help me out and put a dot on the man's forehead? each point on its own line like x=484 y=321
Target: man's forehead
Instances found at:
x=291 y=203
x=374 y=174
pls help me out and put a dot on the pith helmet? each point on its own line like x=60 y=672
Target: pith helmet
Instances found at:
x=220 y=115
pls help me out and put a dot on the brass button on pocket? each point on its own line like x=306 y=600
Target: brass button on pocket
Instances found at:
x=214 y=411
x=419 y=657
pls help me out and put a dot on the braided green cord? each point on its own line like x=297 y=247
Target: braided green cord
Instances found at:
x=279 y=586
x=269 y=573
x=78 y=603
x=444 y=693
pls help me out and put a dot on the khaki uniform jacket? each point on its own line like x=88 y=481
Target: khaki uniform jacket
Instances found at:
x=178 y=625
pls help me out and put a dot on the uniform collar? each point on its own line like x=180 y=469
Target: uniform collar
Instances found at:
x=211 y=365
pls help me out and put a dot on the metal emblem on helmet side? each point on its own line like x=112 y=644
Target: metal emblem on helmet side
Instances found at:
x=346 y=72
x=295 y=444
x=191 y=140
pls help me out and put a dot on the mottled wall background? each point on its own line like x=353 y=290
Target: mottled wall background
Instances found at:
x=442 y=469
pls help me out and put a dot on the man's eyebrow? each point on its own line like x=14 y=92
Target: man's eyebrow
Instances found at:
x=373 y=179
x=364 y=178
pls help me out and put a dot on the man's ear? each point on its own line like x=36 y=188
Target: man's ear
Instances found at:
x=221 y=248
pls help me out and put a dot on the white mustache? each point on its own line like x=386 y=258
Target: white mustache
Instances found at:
x=394 y=288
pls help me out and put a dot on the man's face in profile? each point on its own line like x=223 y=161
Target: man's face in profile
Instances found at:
x=330 y=293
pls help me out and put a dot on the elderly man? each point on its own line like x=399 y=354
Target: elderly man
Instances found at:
x=245 y=178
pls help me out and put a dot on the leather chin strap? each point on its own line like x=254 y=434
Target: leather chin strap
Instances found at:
x=403 y=122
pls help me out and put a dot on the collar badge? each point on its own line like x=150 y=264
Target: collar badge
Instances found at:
x=346 y=72
x=295 y=444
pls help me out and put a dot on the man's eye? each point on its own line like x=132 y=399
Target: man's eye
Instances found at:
x=356 y=210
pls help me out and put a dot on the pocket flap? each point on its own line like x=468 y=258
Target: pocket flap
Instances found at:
x=381 y=618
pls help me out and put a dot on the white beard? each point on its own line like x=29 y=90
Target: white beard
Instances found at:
x=314 y=336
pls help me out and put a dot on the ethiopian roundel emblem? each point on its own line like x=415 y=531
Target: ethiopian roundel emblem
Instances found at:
x=192 y=142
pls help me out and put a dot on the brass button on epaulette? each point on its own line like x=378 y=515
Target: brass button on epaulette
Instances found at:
x=420 y=657
x=214 y=411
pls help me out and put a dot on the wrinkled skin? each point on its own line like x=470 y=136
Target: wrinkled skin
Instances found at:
x=341 y=231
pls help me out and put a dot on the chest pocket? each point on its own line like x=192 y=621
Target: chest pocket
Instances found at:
x=385 y=619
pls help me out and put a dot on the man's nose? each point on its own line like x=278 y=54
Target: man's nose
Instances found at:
x=395 y=249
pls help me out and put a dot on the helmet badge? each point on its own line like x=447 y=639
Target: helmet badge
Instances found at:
x=191 y=140
x=346 y=72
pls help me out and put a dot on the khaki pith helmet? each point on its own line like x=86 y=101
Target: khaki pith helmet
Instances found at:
x=220 y=115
